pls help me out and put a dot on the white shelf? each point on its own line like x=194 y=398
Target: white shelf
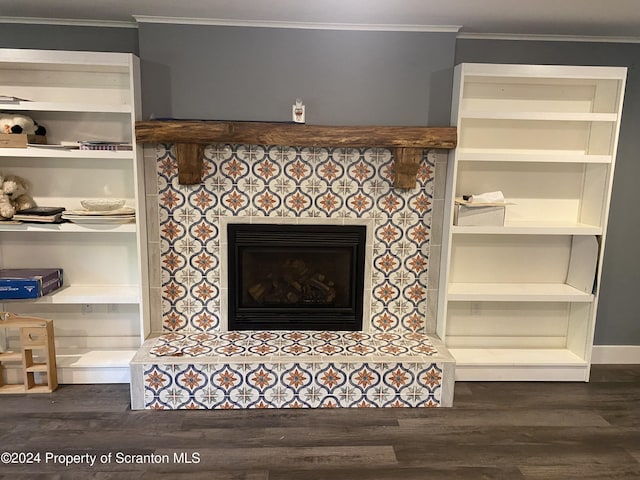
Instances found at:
x=546 y=137
x=516 y=356
x=88 y=294
x=537 y=156
x=77 y=366
x=541 y=116
x=542 y=74
x=66 y=107
x=102 y=312
x=85 y=365
x=529 y=228
x=502 y=364
x=516 y=292
x=93 y=358
x=68 y=228
x=42 y=152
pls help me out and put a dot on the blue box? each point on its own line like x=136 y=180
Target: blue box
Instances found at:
x=17 y=283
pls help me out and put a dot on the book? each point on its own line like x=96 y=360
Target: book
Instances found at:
x=99 y=145
x=10 y=99
x=42 y=210
x=57 y=218
x=16 y=283
x=40 y=215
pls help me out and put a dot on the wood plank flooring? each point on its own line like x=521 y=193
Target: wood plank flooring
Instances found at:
x=510 y=431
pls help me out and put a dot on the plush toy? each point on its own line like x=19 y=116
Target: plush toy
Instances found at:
x=16 y=123
x=14 y=196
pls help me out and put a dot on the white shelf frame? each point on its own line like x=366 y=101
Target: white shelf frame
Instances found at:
x=516 y=292
x=540 y=116
x=66 y=107
x=44 y=153
x=88 y=354
x=528 y=228
x=490 y=356
x=100 y=228
x=487 y=155
x=88 y=294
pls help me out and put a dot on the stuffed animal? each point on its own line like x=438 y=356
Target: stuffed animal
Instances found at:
x=16 y=123
x=14 y=196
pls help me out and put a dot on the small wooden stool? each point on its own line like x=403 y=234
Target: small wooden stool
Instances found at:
x=35 y=334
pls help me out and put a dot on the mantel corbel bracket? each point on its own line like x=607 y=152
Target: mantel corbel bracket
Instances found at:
x=190 y=137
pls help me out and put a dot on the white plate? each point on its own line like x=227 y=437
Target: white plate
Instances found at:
x=102 y=220
x=107 y=213
x=54 y=146
x=103 y=204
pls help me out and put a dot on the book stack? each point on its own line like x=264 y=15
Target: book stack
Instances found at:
x=105 y=217
x=40 y=215
x=98 y=145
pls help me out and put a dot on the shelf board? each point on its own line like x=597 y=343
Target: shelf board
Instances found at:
x=88 y=294
x=516 y=357
x=68 y=227
x=67 y=107
x=541 y=116
x=516 y=292
x=293 y=134
x=37 y=367
x=94 y=358
x=533 y=156
x=10 y=357
x=43 y=152
x=529 y=228
x=541 y=74
x=76 y=61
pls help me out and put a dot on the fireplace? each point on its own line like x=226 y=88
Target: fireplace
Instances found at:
x=295 y=277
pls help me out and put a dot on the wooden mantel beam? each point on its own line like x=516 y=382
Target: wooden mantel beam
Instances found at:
x=203 y=132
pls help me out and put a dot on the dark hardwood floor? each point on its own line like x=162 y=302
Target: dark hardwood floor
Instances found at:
x=511 y=431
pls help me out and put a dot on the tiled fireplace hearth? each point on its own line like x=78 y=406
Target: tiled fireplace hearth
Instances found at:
x=199 y=363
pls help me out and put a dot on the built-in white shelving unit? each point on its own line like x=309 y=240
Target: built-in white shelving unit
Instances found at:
x=101 y=314
x=546 y=136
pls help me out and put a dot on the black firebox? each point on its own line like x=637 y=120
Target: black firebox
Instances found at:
x=295 y=277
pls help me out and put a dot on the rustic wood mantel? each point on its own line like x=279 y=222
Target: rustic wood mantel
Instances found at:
x=190 y=137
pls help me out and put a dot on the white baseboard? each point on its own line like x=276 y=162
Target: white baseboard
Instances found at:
x=611 y=354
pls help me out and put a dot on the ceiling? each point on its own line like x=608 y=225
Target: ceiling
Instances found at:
x=610 y=18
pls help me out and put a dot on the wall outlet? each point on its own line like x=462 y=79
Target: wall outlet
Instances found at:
x=298 y=111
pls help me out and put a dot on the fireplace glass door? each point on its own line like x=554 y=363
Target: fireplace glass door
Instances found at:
x=295 y=277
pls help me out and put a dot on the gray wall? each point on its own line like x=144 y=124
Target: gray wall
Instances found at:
x=63 y=37
x=391 y=78
x=343 y=77
x=618 y=314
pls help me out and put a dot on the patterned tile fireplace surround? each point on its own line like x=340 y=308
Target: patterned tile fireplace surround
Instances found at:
x=197 y=363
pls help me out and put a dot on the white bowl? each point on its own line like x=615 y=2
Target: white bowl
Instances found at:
x=103 y=204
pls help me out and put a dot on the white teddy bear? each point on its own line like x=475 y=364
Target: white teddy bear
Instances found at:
x=14 y=196
x=16 y=123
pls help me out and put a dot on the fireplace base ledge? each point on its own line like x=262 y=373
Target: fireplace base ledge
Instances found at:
x=291 y=369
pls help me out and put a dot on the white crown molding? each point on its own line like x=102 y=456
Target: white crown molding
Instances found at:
x=546 y=38
x=69 y=22
x=298 y=25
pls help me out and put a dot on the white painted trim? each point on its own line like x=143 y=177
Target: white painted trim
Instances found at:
x=615 y=354
x=300 y=25
x=545 y=38
x=75 y=22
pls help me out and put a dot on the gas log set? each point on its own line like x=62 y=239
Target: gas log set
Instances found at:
x=293 y=283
